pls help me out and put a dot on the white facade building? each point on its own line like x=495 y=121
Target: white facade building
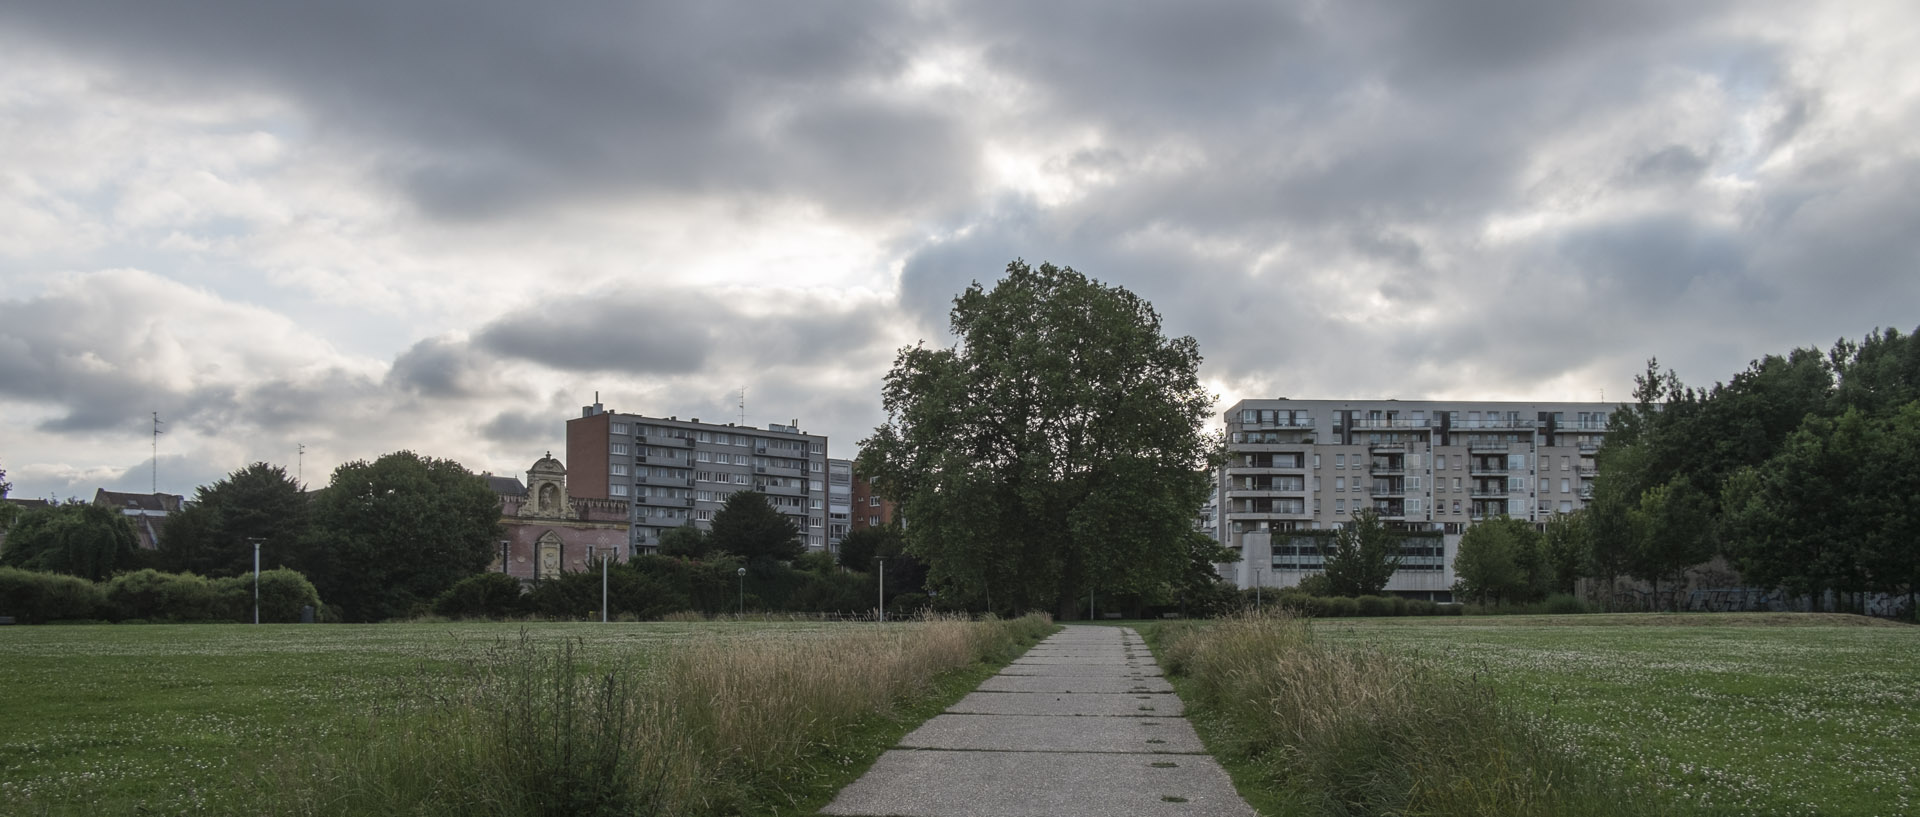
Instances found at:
x=1431 y=468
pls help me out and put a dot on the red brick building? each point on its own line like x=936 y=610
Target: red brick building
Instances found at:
x=869 y=510
x=548 y=532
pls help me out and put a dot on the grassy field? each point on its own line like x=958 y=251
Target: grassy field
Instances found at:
x=1723 y=714
x=173 y=719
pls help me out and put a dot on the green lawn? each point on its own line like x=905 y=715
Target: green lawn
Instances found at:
x=1726 y=714
x=166 y=717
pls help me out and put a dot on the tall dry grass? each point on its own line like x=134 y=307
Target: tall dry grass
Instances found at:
x=1339 y=731
x=717 y=726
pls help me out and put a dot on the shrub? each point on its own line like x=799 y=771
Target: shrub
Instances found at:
x=283 y=593
x=482 y=595
x=155 y=596
x=38 y=598
x=1563 y=604
x=1373 y=606
x=1420 y=607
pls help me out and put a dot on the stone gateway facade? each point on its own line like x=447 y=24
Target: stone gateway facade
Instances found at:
x=548 y=532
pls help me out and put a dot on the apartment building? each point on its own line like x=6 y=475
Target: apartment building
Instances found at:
x=869 y=510
x=839 y=502
x=674 y=471
x=1298 y=469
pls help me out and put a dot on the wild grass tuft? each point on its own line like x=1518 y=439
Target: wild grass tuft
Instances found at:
x=719 y=726
x=1354 y=731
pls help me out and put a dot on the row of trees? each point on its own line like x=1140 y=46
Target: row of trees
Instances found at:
x=382 y=539
x=1801 y=471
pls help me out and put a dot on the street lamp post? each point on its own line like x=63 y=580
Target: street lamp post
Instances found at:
x=883 y=588
x=256 y=580
x=603 y=588
x=742 y=573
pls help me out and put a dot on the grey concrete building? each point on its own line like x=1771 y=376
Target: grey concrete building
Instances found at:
x=839 y=502
x=673 y=471
x=1427 y=467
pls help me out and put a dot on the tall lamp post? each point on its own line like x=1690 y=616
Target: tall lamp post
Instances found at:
x=603 y=588
x=742 y=573
x=256 y=579
x=883 y=586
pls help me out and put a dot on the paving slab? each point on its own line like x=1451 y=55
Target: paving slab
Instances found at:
x=1075 y=705
x=923 y=783
x=1084 y=659
x=1074 y=683
x=1066 y=670
x=1040 y=733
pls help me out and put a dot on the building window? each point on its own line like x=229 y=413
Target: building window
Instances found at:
x=619 y=448
x=619 y=469
x=702 y=456
x=703 y=515
x=1339 y=460
x=1565 y=463
x=1564 y=486
x=1339 y=483
x=1456 y=483
x=1339 y=506
x=619 y=428
x=873 y=502
x=739 y=479
x=1545 y=485
x=616 y=489
x=704 y=437
x=1316 y=460
x=1439 y=462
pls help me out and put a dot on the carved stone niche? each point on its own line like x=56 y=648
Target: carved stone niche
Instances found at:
x=547 y=491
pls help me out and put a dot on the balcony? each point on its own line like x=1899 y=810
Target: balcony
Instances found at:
x=1487 y=446
x=1588 y=471
x=1297 y=422
x=1383 y=469
x=1489 y=470
x=1490 y=492
x=1589 y=448
x=1389 y=490
x=1399 y=446
x=1496 y=424
x=1389 y=422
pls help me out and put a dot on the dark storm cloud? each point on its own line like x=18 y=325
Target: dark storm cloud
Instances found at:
x=673 y=331
x=483 y=108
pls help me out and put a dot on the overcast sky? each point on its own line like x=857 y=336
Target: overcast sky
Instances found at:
x=363 y=225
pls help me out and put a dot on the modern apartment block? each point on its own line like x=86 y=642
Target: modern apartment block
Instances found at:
x=673 y=471
x=839 y=502
x=1430 y=468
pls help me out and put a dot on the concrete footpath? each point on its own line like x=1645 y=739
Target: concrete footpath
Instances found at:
x=1083 y=724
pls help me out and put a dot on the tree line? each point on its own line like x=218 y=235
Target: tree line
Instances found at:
x=1802 y=471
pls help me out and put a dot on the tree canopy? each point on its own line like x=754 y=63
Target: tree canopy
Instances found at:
x=1494 y=560
x=1799 y=470
x=89 y=541
x=214 y=535
x=1052 y=449
x=748 y=527
x=388 y=536
x=1363 y=556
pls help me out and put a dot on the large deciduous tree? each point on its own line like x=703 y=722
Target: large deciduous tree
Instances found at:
x=1052 y=450
x=390 y=535
x=1363 y=556
x=89 y=541
x=1495 y=560
x=748 y=527
x=214 y=536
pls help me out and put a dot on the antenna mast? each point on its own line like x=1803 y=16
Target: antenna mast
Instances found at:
x=300 y=465
x=743 y=405
x=156 y=452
